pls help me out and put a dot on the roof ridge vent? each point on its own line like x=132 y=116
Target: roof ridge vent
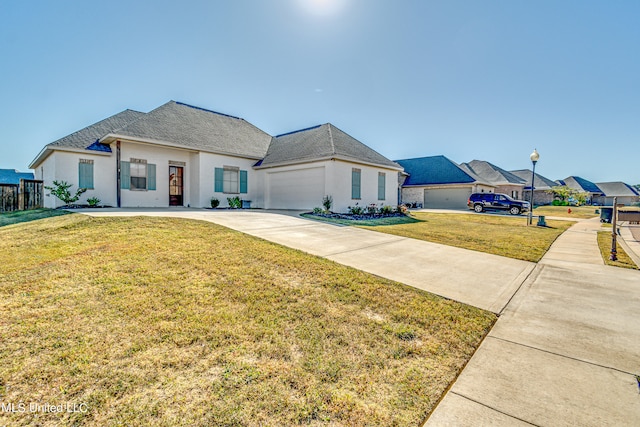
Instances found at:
x=209 y=111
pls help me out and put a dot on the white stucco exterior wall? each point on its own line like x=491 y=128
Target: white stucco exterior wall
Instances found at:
x=64 y=166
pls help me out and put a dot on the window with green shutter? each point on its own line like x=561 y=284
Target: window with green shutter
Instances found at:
x=243 y=182
x=151 y=177
x=85 y=172
x=382 y=181
x=125 y=175
x=218 y=184
x=355 y=183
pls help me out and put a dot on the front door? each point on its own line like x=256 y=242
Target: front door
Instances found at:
x=175 y=186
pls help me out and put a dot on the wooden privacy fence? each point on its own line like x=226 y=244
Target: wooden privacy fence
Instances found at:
x=19 y=197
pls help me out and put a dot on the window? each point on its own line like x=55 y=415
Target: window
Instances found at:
x=85 y=172
x=355 y=183
x=138 y=174
x=230 y=179
x=382 y=181
x=514 y=194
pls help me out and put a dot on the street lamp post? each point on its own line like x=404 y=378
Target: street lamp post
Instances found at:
x=534 y=159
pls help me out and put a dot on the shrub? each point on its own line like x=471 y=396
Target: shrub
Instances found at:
x=327 y=202
x=355 y=210
x=215 y=202
x=234 y=202
x=372 y=209
x=93 y=202
x=318 y=211
x=386 y=210
x=60 y=189
x=403 y=209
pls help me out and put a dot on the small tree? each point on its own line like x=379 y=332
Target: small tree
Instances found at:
x=60 y=189
x=561 y=192
x=327 y=202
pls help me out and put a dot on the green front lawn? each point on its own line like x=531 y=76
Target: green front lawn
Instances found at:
x=155 y=321
x=495 y=234
x=26 y=216
x=577 y=212
x=605 y=242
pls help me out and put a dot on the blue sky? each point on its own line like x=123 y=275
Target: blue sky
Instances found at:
x=488 y=80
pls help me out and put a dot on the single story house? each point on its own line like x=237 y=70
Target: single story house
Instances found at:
x=626 y=194
x=584 y=186
x=13 y=177
x=505 y=182
x=438 y=183
x=541 y=194
x=182 y=155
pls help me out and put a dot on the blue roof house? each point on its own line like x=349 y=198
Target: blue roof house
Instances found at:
x=436 y=182
x=12 y=176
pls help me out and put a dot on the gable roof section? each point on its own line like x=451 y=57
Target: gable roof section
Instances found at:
x=87 y=138
x=492 y=173
x=321 y=142
x=581 y=184
x=541 y=182
x=435 y=170
x=617 y=188
x=187 y=126
x=12 y=176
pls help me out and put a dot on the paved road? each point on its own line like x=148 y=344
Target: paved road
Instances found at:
x=565 y=350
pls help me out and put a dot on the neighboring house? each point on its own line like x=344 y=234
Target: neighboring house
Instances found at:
x=584 y=186
x=505 y=182
x=13 y=177
x=181 y=155
x=626 y=194
x=541 y=193
x=438 y=183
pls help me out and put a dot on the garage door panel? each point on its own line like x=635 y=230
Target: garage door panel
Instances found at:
x=446 y=198
x=296 y=189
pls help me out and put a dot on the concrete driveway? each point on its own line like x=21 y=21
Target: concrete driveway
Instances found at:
x=482 y=280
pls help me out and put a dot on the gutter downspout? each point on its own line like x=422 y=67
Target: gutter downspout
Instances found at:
x=118 y=172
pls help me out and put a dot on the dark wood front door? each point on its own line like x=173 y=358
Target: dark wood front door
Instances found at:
x=175 y=186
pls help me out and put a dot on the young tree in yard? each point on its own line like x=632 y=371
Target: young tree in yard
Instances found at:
x=561 y=192
x=60 y=189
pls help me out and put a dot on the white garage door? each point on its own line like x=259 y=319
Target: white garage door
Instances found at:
x=446 y=198
x=298 y=189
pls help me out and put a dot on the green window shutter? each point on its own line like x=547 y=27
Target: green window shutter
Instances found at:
x=355 y=183
x=382 y=180
x=243 y=181
x=85 y=175
x=151 y=176
x=219 y=180
x=125 y=175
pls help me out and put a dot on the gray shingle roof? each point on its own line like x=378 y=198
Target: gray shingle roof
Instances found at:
x=617 y=188
x=321 y=142
x=541 y=182
x=434 y=170
x=198 y=128
x=492 y=173
x=87 y=136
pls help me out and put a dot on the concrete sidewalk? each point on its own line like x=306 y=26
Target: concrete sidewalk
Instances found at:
x=565 y=351
x=443 y=270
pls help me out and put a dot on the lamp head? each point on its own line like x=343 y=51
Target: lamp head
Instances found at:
x=534 y=156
